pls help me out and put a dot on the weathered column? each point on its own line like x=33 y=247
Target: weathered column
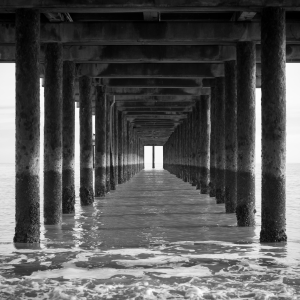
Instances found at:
x=86 y=142
x=27 y=229
x=246 y=84
x=220 y=139
x=107 y=143
x=230 y=136
x=116 y=148
x=112 y=149
x=100 y=142
x=125 y=150
x=68 y=137
x=197 y=144
x=184 y=147
x=129 y=150
x=193 y=147
x=153 y=157
x=204 y=144
x=273 y=88
x=120 y=148
x=53 y=135
x=212 y=182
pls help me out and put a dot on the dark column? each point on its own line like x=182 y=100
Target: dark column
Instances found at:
x=197 y=144
x=220 y=139
x=68 y=169
x=53 y=135
x=112 y=149
x=273 y=88
x=230 y=136
x=246 y=84
x=128 y=151
x=27 y=229
x=153 y=157
x=100 y=142
x=86 y=142
x=120 y=148
x=212 y=183
x=107 y=143
x=116 y=148
x=125 y=150
x=204 y=144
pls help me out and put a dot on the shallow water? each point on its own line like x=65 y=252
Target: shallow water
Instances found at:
x=153 y=238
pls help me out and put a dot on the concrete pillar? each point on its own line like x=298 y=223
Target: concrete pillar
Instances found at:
x=204 y=144
x=108 y=103
x=68 y=139
x=116 y=148
x=112 y=149
x=212 y=183
x=153 y=157
x=27 y=229
x=125 y=150
x=53 y=135
x=120 y=148
x=86 y=142
x=129 y=150
x=230 y=136
x=197 y=144
x=220 y=139
x=246 y=84
x=273 y=88
x=193 y=148
x=100 y=142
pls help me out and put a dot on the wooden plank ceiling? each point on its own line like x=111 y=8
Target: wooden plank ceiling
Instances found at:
x=156 y=57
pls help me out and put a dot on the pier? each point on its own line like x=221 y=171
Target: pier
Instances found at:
x=175 y=74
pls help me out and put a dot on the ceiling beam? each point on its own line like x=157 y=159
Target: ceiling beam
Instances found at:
x=149 y=54
x=149 y=33
x=151 y=70
x=158 y=91
x=94 y=6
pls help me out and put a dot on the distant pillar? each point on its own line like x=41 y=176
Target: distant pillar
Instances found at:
x=120 y=148
x=116 y=148
x=112 y=149
x=212 y=183
x=273 y=88
x=197 y=143
x=128 y=151
x=107 y=143
x=68 y=172
x=204 y=144
x=125 y=150
x=230 y=136
x=220 y=139
x=246 y=84
x=27 y=229
x=86 y=142
x=100 y=142
x=153 y=157
x=53 y=135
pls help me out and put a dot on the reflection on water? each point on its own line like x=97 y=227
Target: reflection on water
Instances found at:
x=153 y=238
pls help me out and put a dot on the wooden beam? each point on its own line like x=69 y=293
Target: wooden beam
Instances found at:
x=102 y=6
x=148 y=54
x=151 y=70
x=158 y=91
x=149 y=33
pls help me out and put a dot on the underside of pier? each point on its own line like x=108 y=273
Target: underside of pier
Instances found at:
x=173 y=73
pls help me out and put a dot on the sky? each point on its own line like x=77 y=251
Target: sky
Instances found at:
x=7 y=117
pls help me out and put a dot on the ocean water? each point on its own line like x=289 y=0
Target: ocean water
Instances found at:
x=153 y=238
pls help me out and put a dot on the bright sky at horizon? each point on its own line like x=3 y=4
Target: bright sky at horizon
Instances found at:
x=7 y=115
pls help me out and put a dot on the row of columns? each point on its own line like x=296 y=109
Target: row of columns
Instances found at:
x=214 y=148
x=118 y=150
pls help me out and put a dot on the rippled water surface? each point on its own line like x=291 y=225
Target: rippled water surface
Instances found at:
x=153 y=238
